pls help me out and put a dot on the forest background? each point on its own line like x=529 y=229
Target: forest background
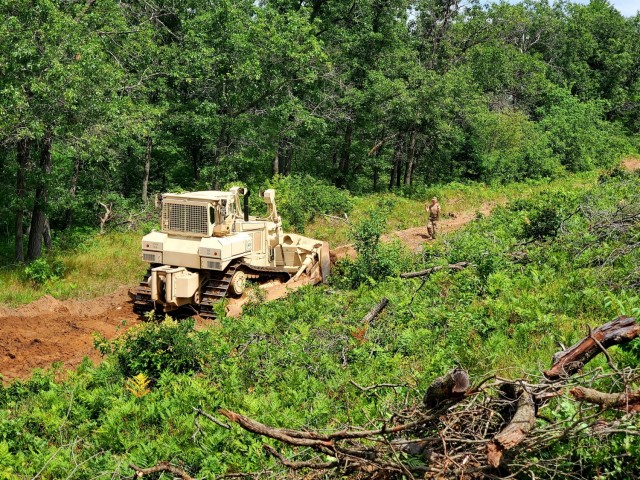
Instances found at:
x=527 y=108
x=105 y=102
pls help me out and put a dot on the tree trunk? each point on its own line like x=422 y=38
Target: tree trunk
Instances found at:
x=376 y=178
x=408 y=173
x=24 y=147
x=275 y=164
x=288 y=160
x=73 y=188
x=278 y=166
x=392 y=177
x=147 y=169
x=39 y=216
x=399 y=153
x=196 y=152
x=616 y=332
x=345 y=154
x=46 y=234
x=396 y=171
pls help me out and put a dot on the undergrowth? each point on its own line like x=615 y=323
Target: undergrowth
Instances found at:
x=542 y=269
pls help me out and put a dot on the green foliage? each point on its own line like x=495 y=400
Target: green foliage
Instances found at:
x=291 y=363
x=509 y=147
x=544 y=215
x=41 y=270
x=579 y=135
x=240 y=91
x=214 y=93
x=301 y=198
x=154 y=348
x=375 y=260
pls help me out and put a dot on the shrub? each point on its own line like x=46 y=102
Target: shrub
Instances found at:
x=375 y=260
x=156 y=347
x=300 y=198
x=544 y=216
x=40 y=271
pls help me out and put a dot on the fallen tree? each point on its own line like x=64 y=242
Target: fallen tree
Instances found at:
x=617 y=332
x=493 y=429
x=452 y=266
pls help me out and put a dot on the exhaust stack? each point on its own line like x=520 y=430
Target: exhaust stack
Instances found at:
x=246 y=204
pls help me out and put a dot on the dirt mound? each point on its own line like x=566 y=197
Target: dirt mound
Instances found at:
x=631 y=164
x=49 y=330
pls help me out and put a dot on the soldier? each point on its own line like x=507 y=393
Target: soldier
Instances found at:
x=434 y=216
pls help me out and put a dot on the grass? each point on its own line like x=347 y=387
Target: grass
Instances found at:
x=96 y=267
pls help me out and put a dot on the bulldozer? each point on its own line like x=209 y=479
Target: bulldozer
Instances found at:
x=209 y=246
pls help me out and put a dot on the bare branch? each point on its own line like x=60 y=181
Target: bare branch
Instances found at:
x=160 y=467
x=453 y=266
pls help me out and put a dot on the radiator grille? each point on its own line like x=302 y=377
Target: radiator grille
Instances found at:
x=149 y=257
x=178 y=217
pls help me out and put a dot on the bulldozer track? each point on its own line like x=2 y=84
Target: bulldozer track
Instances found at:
x=215 y=289
x=142 y=302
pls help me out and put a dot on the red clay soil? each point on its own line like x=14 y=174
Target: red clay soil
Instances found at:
x=48 y=330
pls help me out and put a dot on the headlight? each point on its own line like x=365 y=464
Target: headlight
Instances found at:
x=209 y=252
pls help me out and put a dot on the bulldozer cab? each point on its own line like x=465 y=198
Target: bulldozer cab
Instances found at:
x=200 y=214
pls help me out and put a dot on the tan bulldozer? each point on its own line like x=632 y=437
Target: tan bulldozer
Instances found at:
x=209 y=246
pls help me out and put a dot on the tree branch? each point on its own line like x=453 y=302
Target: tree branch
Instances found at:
x=453 y=266
x=619 y=331
x=160 y=467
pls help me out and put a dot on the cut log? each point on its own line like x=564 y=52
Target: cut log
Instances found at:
x=429 y=271
x=515 y=432
x=569 y=361
x=375 y=311
x=629 y=401
x=448 y=388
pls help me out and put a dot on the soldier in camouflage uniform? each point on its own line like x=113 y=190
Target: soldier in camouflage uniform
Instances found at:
x=434 y=216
